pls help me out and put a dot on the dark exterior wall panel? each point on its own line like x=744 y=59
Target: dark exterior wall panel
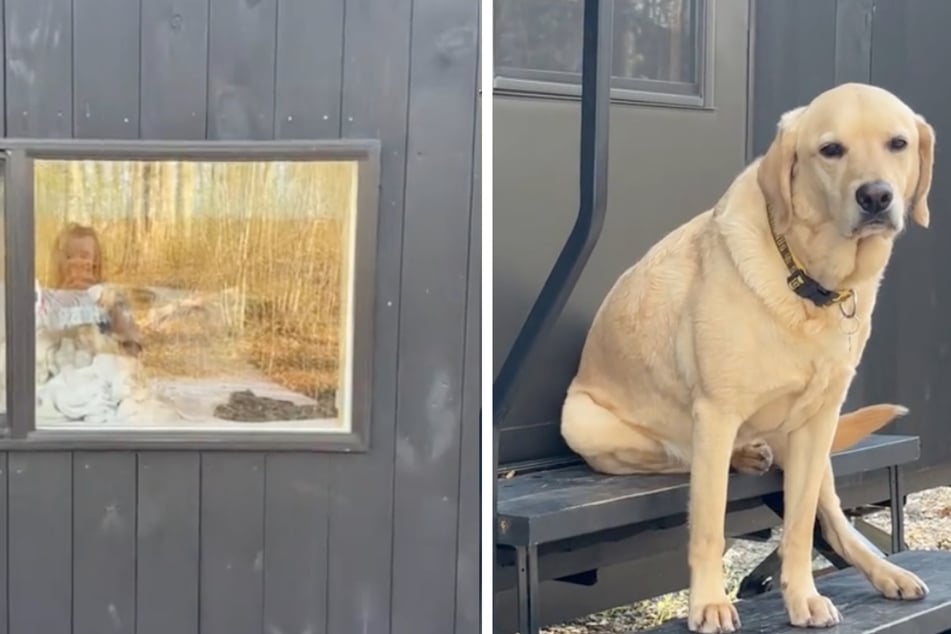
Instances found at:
x=794 y=59
x=173 y=79
x=212 y=541
x=853 y=39
x=468 y=566
x=909 y=357
x=106 y=69
x=232 y=543
x=309 y=69
x=296 y=521
x=375 y=101
x=433 y=314
x=39 y=538
x=167 y=543
x=39 y=67
x=242 y=49
x=104 y=535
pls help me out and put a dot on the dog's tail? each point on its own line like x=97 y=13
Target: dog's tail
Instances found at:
x=863 y=422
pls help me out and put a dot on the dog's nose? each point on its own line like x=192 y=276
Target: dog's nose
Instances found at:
x=874 y=197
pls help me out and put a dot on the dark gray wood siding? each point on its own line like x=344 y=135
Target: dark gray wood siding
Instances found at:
x=911 y=362
x=152 y=542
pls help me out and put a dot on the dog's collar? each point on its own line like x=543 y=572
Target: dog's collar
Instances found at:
x=799 y=281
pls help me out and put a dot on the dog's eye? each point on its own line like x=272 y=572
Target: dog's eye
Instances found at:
x=832 y=150
x=897 y=144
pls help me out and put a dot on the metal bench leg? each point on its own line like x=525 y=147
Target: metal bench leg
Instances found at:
x=527 y=559
x=897 y=493
x=760 y=579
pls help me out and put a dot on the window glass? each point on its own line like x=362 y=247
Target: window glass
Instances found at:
x=194 y=294
x=654 y=40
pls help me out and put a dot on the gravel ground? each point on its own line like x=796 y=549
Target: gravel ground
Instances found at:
x=927 y=527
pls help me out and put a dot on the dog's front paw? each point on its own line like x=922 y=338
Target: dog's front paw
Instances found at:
x=713 y=617
x=897 y=583
x=755 y=458
x=812 y=610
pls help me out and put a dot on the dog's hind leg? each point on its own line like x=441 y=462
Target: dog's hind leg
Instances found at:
x=755 y=458
x=614 y=446
x=611 y=445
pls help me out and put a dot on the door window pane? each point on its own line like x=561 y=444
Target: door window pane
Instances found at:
x=654 y=40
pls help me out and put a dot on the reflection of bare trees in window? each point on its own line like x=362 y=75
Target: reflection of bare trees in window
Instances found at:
x=539 y=34
x=653 y=39
x=228 y=263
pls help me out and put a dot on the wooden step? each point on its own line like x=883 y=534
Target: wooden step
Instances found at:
x=864 y=611
x=546 y=506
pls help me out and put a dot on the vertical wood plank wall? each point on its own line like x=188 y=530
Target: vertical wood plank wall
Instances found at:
x=211 y=542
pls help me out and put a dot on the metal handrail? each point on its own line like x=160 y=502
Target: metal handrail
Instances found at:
x=593 y=172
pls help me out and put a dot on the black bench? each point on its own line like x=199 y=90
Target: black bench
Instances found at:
x=546 y=506
x=863 y=609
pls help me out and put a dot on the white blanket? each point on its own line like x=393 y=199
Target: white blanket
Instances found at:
x=90 y=393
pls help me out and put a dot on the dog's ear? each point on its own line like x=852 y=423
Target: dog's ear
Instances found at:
x=919 y=204
x=775 y=171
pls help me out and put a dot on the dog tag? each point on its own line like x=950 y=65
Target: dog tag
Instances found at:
x=849 y=324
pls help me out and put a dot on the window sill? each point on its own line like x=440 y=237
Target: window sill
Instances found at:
x=522 y=88
x=172 y=440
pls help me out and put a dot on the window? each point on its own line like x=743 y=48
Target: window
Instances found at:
x=659 y=49
x=215 y=293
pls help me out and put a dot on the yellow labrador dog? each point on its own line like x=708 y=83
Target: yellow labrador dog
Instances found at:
x=735 y=338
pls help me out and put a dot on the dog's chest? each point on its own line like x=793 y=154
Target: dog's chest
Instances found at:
x=812 y=387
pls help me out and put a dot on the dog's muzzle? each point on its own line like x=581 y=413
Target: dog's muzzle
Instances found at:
x=876 y=201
